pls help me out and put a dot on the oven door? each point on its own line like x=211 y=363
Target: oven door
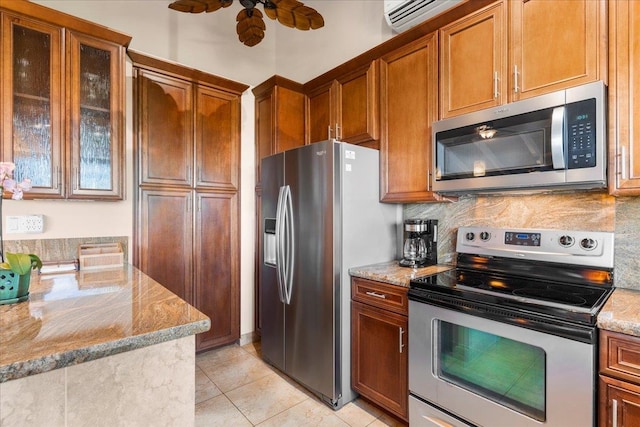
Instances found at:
x=492 y=374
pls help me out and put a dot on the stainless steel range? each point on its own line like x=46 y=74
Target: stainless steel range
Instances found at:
x=508 y=338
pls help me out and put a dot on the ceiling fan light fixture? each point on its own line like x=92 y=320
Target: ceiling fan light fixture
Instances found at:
x=250 y=25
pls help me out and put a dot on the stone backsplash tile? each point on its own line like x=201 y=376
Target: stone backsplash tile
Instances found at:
x=61 y=249
x=594 y=211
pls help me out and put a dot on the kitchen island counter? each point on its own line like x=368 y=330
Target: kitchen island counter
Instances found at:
x=391 y=272
x=98 y=345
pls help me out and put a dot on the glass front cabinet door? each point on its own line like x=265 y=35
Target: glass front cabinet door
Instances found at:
x=94 y=118
x=33 y=101
x=62 y=97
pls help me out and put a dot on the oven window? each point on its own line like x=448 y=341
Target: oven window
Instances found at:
x=505 y=371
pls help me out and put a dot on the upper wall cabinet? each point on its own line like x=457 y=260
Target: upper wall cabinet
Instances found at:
x=409 y=102
x=473 y=62
x=62 y=98
x=345 y=108
x=624 y=98
x=555 y=45
x=279 y=112
x=494 y=55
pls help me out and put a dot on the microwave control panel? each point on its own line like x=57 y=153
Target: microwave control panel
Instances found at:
x=581 y=134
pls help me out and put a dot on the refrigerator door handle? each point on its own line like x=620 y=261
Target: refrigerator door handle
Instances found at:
x=280 y=220
x=290 y=245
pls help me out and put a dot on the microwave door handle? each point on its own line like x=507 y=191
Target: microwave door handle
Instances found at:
x=557 y=138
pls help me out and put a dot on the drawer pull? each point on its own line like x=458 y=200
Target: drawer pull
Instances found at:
x=377 y=295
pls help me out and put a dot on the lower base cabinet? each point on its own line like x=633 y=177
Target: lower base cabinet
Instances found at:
x=379 y=348
x=619 y=391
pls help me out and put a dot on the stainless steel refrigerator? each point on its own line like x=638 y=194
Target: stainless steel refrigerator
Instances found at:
x=320 y=216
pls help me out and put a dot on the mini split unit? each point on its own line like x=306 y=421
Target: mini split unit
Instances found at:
x=404 y=14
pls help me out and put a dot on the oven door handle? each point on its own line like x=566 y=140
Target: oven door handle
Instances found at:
x=436 y=422
x=557 y=138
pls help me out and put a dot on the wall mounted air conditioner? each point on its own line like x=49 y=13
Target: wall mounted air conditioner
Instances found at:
x=404 y=14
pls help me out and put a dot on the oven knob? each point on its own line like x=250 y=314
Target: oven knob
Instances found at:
x=484 y=236
x=566 y=241
x=470 y=236
x=588 y=244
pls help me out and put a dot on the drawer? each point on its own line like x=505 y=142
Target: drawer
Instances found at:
x=620 y=356
x=378 y=294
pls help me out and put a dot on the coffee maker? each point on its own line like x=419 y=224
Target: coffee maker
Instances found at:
x=420 y=243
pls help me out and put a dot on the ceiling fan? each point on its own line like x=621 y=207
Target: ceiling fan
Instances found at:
x=250 y=26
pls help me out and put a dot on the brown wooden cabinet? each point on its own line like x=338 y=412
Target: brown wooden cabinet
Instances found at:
x=62 y=97
x=619 y=392
x=573 y=33
x=473 y=62
x=279 y=112
x=164 y=244
x=379 y=367
x=487 y=60
x=188 y=157
x=624 y=98
x=408 y=106
x=345 y=108
x=217 y=266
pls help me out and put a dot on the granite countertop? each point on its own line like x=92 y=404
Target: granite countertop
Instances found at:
x=391 y=272
x=81 y=316
x=620 y=312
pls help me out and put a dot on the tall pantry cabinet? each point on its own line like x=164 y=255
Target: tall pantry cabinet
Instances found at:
x=188 y=163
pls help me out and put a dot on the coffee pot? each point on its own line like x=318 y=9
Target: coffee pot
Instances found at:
x=420 y=243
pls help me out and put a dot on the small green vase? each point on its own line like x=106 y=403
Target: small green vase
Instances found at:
x=13 y=287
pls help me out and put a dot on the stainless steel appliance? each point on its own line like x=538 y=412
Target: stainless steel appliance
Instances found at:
x=553 y=141
x=321 y=216
x=509 y=338
x=420 y=247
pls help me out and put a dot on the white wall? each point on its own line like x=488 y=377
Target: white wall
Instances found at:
x=209 y=42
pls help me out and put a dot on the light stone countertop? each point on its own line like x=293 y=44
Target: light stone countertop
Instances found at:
x=621 y=312
x=81 y=316
x=392 y=273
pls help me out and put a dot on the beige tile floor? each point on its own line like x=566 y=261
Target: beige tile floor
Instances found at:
x=234 y=387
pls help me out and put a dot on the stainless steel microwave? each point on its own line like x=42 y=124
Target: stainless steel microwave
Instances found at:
x=553 y=141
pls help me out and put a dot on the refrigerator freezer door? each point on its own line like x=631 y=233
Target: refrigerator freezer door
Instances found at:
x=310 y=319
x=271 y=306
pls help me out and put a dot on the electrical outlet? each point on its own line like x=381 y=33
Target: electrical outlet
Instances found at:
x=25 y=224
x=32 y=224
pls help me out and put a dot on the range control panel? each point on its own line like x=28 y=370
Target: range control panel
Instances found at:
x=589 y=248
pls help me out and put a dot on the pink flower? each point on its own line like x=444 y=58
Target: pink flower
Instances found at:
x=7 y=183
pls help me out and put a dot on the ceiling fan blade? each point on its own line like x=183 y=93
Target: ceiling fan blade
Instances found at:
x=250 y=26
x=294 y=14
x=199 y=6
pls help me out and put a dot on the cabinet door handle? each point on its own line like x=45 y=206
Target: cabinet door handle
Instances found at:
x=516 y=89
x=338 y=133
x=401 y=335
x=329 y=132
x=377 y=295
x=495 y=85
x=623 y=162
x=614 y=413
